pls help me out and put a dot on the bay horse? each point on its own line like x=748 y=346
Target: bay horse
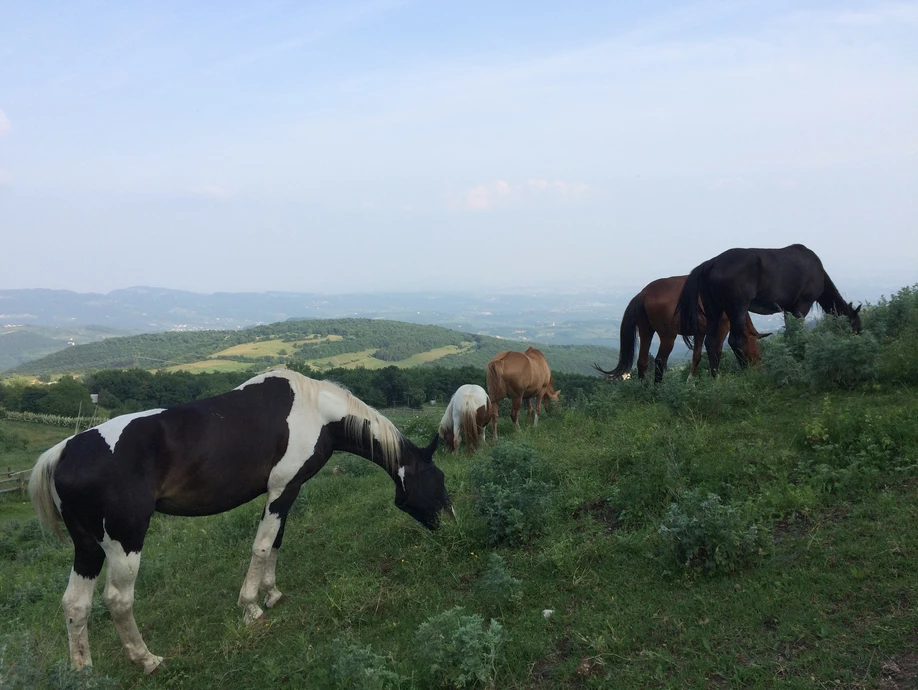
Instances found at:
x=763 y=281
x=466 y=417
x=519 y=375
x=652 y=311
x=269 y=435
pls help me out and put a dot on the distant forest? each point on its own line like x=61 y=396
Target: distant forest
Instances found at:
x=122 y=391
x=389 y=341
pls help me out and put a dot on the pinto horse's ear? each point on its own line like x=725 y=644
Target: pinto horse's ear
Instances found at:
x=428 y=452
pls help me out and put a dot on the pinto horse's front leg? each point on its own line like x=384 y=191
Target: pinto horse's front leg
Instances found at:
x=261 y=567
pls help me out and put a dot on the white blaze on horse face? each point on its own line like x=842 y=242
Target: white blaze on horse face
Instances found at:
x=112 y=429
x=401 y=475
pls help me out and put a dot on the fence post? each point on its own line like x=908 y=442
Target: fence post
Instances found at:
x=22 y=485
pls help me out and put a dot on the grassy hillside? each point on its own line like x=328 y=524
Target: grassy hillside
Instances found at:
x=322 y=344
x=20 y=344
x=758 y=530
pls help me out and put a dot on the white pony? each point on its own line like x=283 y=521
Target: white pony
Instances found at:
x=466 y=416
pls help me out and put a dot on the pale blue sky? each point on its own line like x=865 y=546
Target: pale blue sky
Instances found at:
x=355 y=146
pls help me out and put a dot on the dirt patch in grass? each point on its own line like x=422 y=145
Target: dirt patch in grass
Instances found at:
x=602 y=512
x=901 y=672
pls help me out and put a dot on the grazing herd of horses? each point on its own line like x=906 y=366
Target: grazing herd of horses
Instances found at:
x=277 y=430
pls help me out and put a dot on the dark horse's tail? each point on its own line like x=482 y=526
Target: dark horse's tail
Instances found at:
x=627 y=341
x=687 y=306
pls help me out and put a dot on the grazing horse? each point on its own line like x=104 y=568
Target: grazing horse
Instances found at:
x=269 y=435
x=763 y=281
x=518 y=375
x=466 y=417
x=651 y=311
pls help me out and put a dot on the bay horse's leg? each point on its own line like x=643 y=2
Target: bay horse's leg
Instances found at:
x=662 y=358
x=696 y=353
x=119 y=596
x=710 y=341
x=645 y=335
x=88 y=558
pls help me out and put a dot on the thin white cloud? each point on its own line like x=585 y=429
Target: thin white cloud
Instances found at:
x=5 y=125
x=503 y=194
x=212 y=191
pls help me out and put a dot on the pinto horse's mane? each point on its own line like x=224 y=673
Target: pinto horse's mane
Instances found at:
x=360 y=419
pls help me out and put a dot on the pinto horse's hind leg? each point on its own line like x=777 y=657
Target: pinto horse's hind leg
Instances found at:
x=119 y=597
x=88 y=558
x=268 y=584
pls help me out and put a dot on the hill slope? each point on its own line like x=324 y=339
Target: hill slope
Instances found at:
x=321 y=343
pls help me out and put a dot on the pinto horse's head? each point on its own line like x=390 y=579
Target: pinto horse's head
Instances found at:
x=420 y=489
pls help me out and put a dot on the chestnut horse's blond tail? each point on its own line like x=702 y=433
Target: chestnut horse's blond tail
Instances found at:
x=468 y=421
x=495 y=378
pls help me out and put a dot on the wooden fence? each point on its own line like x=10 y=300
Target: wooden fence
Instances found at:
x=15 y=481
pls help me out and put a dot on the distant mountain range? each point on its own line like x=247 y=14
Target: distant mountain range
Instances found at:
x=34 y=323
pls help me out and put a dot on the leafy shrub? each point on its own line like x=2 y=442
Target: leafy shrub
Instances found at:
x=851 y=451
x=458 y=650
x=509 y=495
x=781 y=363
x=497 y=584
x=699 y=531
x=838 y=358
x=360 y=668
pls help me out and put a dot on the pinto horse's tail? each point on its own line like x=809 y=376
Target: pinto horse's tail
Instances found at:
x=627 y=341
x=41 y=487
x=468 y=421
x=687 y=306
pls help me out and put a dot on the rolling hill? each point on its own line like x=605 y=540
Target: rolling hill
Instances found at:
x=321 y=343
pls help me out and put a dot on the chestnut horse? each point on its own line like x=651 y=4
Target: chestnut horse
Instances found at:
x=466 y=417
x=519 y=375
x=652 y=311
x=763 y=281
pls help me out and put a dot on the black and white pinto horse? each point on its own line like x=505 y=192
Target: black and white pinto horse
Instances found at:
x=763 y=281
x=269 y=435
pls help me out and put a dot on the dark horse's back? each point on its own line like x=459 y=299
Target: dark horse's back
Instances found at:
x=769 y=280
x=766 y=281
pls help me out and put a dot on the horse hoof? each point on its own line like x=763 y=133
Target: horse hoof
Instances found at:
x=160 y=666
x=269 y=603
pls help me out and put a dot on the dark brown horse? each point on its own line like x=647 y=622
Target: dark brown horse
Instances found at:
x=652 y=311
x=763 y=281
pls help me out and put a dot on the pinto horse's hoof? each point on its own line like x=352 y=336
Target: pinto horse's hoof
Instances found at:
x=274 y=603
x=159 y=666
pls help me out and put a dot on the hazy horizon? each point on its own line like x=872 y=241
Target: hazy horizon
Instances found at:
x=410 y=146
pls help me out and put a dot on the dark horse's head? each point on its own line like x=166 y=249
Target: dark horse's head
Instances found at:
x=420 y=489
x=854 y=316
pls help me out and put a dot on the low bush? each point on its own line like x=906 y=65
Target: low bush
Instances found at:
x=458 y=650
x=510 y=493
x=360 y=668
x=701 y=532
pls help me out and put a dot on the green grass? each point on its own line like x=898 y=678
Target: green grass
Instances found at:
x=211 y=365
x=830 y=602
x=38 y=438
